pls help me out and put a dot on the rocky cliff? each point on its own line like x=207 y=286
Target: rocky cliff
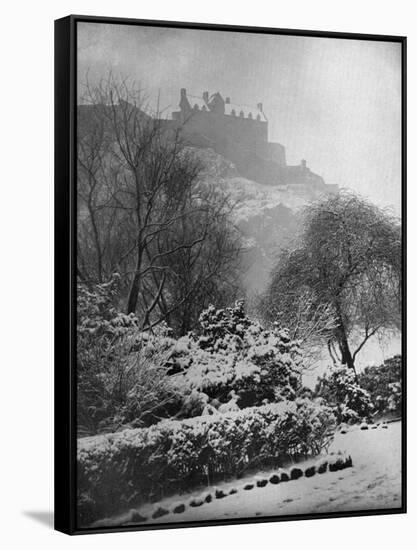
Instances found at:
x=268 y=216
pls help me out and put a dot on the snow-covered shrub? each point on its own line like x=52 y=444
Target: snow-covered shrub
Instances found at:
x=220 y=327
x=261 y=481
x=159 y=512
x=233 y=353
x=349 y=400
x=97 y=312
x=122 y=374
x=195 y=502
x=129 y=377
x=133 y=466
x=296 y=473
x=136 y=517
x=178 y=508
x=384 y=385
x=310 y=472
x=274 y=479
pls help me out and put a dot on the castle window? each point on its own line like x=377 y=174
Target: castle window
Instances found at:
x=250 y=115
x=241 y=113
x=233 y=112
x=258 y=117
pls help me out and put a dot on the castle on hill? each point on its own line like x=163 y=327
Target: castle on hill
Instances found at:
x=240 y=133
x=237 y=132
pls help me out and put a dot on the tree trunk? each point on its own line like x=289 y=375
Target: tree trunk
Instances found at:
x=347 y=358
x=132 y=300
x=346 y=355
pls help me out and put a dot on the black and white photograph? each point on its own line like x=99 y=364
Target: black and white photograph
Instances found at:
x=239 y=275
x=208 y=308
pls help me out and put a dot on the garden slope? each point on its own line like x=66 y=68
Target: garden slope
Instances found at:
x=374 y=482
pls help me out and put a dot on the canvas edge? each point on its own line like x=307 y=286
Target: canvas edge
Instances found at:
x=64 y=257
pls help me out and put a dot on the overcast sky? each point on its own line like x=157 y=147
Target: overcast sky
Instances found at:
x=335 y=103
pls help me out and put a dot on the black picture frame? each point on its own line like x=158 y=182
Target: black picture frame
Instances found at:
x=65 y=269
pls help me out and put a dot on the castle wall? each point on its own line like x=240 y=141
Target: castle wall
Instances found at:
x=223 y=129
x=241 y=139
x=276 y=153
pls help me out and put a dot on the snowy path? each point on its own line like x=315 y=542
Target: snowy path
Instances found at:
x=373 y=482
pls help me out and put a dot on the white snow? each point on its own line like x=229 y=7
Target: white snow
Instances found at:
x=374 y=482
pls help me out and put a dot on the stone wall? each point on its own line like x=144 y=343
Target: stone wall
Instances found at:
x=242 y=140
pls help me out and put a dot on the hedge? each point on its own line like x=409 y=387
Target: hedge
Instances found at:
x=335 y=463
x=146 y=464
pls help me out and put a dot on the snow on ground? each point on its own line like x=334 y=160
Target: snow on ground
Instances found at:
x=252 y=198
x=374 y=482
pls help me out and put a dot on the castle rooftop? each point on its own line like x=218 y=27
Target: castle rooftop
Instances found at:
x=216 y=103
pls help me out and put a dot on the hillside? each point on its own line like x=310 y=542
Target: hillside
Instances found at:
x=267 y=215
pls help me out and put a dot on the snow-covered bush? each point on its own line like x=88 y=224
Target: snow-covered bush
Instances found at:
x=129 y=378
x=384 y=385
x=348 y=399
x=232 y=353
x=125 y=468
x=220 y=327
x=122 y=374
x=126 y=376
x=97 y=313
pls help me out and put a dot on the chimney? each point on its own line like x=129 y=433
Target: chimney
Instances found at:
x=183 y=93
x=259 y=105
x=206 y=96
x=303 y=164
x=227 y=99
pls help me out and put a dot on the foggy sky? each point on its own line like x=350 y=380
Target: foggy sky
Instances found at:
x=335 y=103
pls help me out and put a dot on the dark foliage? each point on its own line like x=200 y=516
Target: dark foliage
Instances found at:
x=384 y=385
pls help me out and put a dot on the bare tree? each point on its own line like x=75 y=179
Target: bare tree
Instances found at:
x=345 y=276
x=210 y=272
x=143 y=212
x=308 y=322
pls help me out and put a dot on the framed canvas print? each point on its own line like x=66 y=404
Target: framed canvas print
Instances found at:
x=230 y=274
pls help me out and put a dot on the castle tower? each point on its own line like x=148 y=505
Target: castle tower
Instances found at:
x=238 y=132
